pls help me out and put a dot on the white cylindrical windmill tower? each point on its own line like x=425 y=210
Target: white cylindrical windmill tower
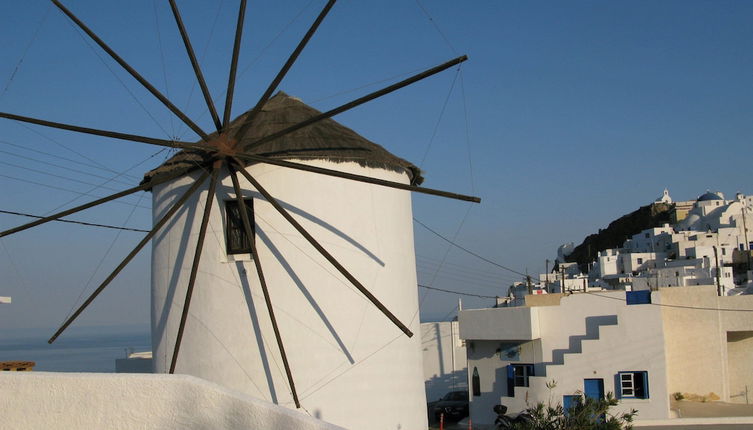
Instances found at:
x=350 y=364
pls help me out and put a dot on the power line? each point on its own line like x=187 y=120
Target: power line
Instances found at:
x=424 y=274
x=42 y=172
x=60 y=157
x=467 y=250
x=26 y=181
x=457 y=292
x=489 y=276
x=78 y=222
x=439 y=120
x=436 y=26
x=667 y=305
x=59 y=166
x=34 y=38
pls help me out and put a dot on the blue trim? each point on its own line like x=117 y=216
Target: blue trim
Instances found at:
x=510 y=380
x=642 y=297
x=642 y=374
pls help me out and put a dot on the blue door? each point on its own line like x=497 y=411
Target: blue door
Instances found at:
x=593 y=388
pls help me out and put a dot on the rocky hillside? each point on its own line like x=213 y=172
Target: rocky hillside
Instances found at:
x=619 y=230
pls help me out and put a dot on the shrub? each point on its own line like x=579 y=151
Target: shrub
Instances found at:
x=587 y=413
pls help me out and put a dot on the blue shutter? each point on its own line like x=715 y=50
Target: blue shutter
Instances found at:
x=645 y=384
x=510 y=380
x=642 y=297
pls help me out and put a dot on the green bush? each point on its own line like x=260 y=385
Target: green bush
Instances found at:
x=585 y=414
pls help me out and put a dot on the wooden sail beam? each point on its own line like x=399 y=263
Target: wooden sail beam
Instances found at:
x=155 y=92
x=262 y=282
x=234 y=64
x=250 y=157
x=107 y=133
x=115 y=196
x=359 y=178
x=195 y=65
x=196 y=259
x=283 y=71
x=329 y=257
x=357 y=102
x=130 y=256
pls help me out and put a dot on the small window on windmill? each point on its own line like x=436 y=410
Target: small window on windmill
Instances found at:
x=238 y=241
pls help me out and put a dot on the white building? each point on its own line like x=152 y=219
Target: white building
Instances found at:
x=703 y=248
x=351 y=365
x=444 y=358
x=686 y=340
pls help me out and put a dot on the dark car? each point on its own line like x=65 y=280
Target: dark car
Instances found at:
x=454 y=406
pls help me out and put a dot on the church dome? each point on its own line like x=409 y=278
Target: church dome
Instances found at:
x=709 y=196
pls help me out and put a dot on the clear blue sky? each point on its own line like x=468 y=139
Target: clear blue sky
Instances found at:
x=566 y=116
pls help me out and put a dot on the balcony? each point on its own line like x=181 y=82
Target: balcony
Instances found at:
x=514 y=323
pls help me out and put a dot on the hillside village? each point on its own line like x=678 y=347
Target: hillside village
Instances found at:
x=663 y=316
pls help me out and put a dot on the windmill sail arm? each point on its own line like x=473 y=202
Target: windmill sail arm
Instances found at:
x=358 y=102
x=97 y=202
x=195 y=65
x=174 y=109
x=263 y=282
x=284 y=70
x=215 y=170
x=106 y=133
x=355 y=177
x=130 y=256
x=234 y=64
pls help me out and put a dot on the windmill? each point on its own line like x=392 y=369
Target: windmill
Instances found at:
x=292 y=149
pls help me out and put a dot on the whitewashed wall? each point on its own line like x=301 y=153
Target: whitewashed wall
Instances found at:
x=41 y=400
x=444 y=358
x=350 y=364
x=571 y=342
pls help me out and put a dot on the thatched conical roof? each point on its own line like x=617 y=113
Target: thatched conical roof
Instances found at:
x=323 y=140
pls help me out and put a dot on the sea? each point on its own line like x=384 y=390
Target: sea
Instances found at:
x=78 y=349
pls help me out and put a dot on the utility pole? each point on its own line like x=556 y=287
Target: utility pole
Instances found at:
x=718 y=284
x=528 y=282
x=747 y=244
x=546 y=283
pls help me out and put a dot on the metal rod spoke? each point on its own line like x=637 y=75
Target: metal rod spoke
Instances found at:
x=174 y=109
x=115 y=196
x=257 y=263
x=281 y=74
x=130 y=256
x=196 y=259
x=354 y=177
x=234 y=64
x=325 y=253
x=195 y=64
x=105 y=133
x=357 y=102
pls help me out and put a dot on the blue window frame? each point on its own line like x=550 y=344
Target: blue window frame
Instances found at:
x=570 y=401
x=517 y=376
x=633 y=385
x=641 y=297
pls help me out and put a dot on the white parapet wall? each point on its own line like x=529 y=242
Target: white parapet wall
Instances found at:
x=46 y=400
